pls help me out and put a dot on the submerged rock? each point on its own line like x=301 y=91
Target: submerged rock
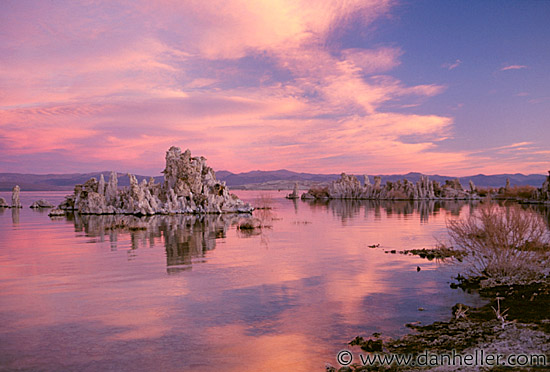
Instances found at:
x=42 y=203
x=190 y=186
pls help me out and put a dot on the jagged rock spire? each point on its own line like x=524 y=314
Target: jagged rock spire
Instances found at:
x=190 y=186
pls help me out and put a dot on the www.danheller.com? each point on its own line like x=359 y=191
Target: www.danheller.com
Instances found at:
x=427 y=359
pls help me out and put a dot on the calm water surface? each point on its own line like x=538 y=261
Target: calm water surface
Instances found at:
x=185 y=293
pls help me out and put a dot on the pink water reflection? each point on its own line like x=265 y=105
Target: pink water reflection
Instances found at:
x=189 y=293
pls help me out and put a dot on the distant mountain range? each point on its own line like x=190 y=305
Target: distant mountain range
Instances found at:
x=258 y=179
x=58 y=182
x=279 y=179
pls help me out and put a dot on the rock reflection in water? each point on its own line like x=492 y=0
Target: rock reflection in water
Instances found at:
x=15 y=216
x=348 y=209
x=186 y=237
x=542 y=209
x=545 y=211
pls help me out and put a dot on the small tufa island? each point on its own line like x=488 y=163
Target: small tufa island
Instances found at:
x=349 y=187
x=190 y=186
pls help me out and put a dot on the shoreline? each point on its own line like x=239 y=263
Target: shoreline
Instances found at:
x=515 y=321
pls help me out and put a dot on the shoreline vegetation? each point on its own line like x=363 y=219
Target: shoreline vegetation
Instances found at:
x=505 y=251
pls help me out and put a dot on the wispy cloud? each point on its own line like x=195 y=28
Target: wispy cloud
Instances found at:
x=248 y=84
x=511 y=148
x=453 y=65
x=513 y=67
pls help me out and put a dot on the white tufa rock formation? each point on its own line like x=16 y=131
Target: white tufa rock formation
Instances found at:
x=3 y=203
x=543 y=194
x=190 y=186
x=349 y=187
x=42 y=203
x=15 y=203
x=294 y=193
x=56 y=212
x=472 y=187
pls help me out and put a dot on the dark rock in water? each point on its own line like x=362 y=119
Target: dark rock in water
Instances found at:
x=440 y=253
x=3 y=203
x=56 y=212
x=190 y=186
x=250 y=224
x=418 y=268
x=369 y=345
x=42 y=203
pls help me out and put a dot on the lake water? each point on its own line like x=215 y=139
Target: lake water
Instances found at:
x=185 y=293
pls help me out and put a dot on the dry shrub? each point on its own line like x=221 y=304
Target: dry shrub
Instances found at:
x=503 y=241
x=484 y=191
x=263 y=206
x=263 y=201
x=523 y=192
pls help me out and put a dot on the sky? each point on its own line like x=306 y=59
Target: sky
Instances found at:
x=359 y=86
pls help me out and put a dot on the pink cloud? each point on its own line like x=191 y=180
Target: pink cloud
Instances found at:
x=247 y=84
x=221 y=29
x=371 y=61
x=513 y=67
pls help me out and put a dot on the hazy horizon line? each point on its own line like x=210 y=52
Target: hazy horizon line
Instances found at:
x=282 y=169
